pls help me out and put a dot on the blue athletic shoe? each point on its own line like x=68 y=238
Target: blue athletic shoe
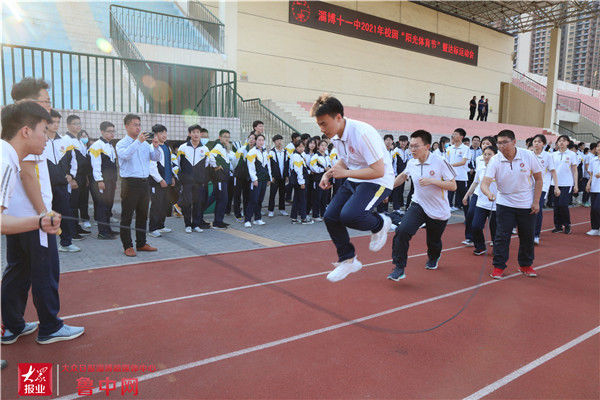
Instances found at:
x=397 y=274
x=9 y=338
x=432 y=264
x=65 y=333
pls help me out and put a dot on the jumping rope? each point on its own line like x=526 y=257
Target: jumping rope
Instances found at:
x=301 y=299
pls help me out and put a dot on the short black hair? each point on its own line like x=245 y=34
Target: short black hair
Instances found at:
x=72 y=118
x=490 y=139
x=461 y=132
x=529 y=141
x=388 y=136
x=507 y=133
x=327 y=105
x=104 y=125
x=593 y=145
x=203 y=130
x=403 y=138
x=129 y=117
x=540 y=136
x=571 y=146
x=277 y=137
x=156 y=128
x=55 y=114
x=259 y=135
x=22 y=113
x=295 y=135
x=566 y=137
x=423 y=134
x=476 y=136
x=492 y=148
x=257 y=123
x=466 y=140
x=324 y=137
x=223 y=131
x=28 y=88
x=194 y=127
x=304 y=136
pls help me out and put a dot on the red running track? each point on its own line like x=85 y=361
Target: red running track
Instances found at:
x=263 y=341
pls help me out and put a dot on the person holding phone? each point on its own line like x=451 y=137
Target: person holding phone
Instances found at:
x=134 y=156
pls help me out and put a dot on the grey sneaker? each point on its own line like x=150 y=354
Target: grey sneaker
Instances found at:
x=9 y=338
x=432 y=264
x=397 y=274
x=65 y=333
x=69 y=249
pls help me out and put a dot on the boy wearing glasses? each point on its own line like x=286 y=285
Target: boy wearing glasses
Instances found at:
x=432 y=178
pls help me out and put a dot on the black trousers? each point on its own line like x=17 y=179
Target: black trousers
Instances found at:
x=158 y=207
x=277 y=186
x=472 y=112
x=595 y=210
x=192 y=203
x=135 y=197
x=230 y=190
x=241 y=196
x=479 y=217
x=61 y=202
x=562 y=216
x=221 y=197
x=31 y=265
x=105 y=204
x=415 y=216
x=506 y=219
x=299 y=203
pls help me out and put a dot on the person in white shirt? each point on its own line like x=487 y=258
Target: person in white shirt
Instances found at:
x=482 y=208
x=549 y=173
x=458 y=157
x=319 y=164
x=134 y=156
x=298 y=173
x=565 y=163
x=259 y=169
x=290 y=148
x=587 y=158
x=280 y=167
x=161 y=178
x=220 y=160
x=367 y=167
x=433 y=177
x=402 y=157
x=517 y=200
x=31 y=253
x=593 y=188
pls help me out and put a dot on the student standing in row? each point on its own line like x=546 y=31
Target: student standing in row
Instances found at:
x=298 y=175
x=548 y=174
x=319 y=165
x=593 y=187
x=517 y=201
x=104 y=172
x=134 y=156
x=220 y=160
x=565 y=163
x=193 y=160
x=280 y=168
x=259 y=170
x=81 y=176
x=161 y=172
x=433 y=177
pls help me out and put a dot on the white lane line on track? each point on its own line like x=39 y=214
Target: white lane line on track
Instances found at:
x=234 y=289
x=534 y=364
x=304 y=335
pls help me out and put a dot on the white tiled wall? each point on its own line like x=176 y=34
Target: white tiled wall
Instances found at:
x=176 y=124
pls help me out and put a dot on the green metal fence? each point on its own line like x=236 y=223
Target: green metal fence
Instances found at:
x=169 y=30
x=105 y=83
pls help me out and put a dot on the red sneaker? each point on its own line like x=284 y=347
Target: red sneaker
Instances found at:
x=528 y=271
x=497 y=273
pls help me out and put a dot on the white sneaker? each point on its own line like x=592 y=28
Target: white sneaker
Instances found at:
x=86 y=225
x=467 y=242
x=593 y=232
x=166 y=230
x=259 y=222
x=69 y=249
x=248 y=224
x=155 y=233
x=271 y=215
x=514 y=231
x=188 y=229
x=536 y=240
x=452 y=209
x=422 y=226
x=284 y=213
x=197 y=229
x=344 y=269
x=393 y=228
x=318 y=219
x=114 y=220
x=378 y=239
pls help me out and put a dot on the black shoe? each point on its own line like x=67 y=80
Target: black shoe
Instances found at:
x=226 y=224
x=557 y=229
x=204 y=225
x=567 y=230
x=432 y=264
x=82 y=231
x=106 y=237
x=479 y=252
x=397 y=274
x=77 y=236
x=219 y=225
